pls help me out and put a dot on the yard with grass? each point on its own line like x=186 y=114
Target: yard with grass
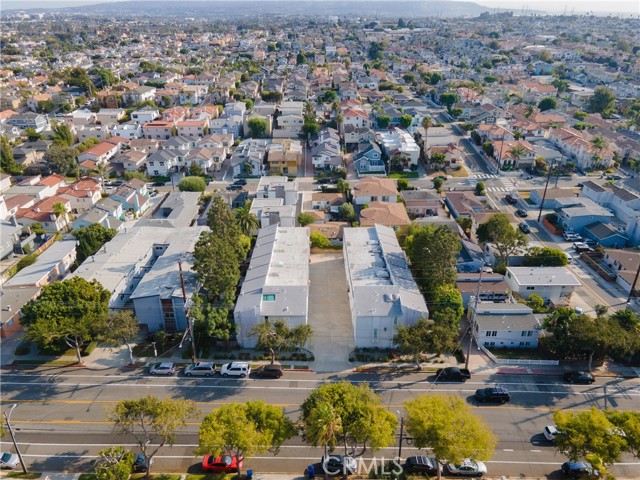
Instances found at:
x=521 y=354
x=404 y=175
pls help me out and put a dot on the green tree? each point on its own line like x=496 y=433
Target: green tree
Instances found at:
x=629 y=423
x=322 y=427
x=627 y=319
x=424 y=337
x=480 y=189
x=365 y=421
x=62 y=135
x=243 y=430
x=7 y=162
x=466 y=223
x=121 y=329
x=195 y=170
x=258 y=127
x=447 y=296
x=44 y=106
x=438 y=160
x=347 y=212
x=114 y=463
x=487 y=147
x=406 y=120
x=152 y=422
x=433 y=251
x=547 y=103
x=342 y=186
x=580 y=115
x=246 y=220
x=305 y=218
x=536 y=302
x=216 y=266
x=278 y=336
x=499 y=232
x=446 y=424
x=588 y=432
x=62 y=160
x=301 y=58
x=192 y=184
x=222 y=222
x=91 y=239
x=210 y=322
x=318 y=240
x=70 y=311
x=545 y=257
x=383 y=121
x=437 y=183
x=517 y=151
x=32 y=135
x=602 y=101
x=449 y=99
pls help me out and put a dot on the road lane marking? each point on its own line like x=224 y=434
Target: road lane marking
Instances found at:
x=507 y=450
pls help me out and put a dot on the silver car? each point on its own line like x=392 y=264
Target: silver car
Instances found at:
x=164 y=368
x=9 y=460
x=468 y=468
x=200 y=369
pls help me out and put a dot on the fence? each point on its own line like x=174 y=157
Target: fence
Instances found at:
x=509 y=361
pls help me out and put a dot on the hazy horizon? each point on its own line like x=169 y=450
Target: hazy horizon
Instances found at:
x=551 y=6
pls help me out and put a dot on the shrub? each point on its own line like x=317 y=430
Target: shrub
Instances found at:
x=192 y=184
x=89 y=348
x=26 y=261
x=23 y=348
x=319 y=240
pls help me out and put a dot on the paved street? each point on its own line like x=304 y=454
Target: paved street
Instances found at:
x=61 y=418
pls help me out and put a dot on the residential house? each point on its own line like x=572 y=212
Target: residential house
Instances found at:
x=145 y=114
x=354 y=135
x=12 y=300
x=606 y=235
x=400 y=148
x=193 y=128
x=380 y=286
x=99 y=154
x=421 y=203
x=504 y=325
x=367 y=160
x=51 y=265
x=29 y=120
x=578 y=212
x=107 y=116
x=384 y=213
x=129 y=161
x=162 y=162
x=550 y=283
x=625 y=264
x=158 y=129
x=82 y=194
x=578 y=148
x=133 y=201
x=249 y=156
x=327 y=202
x=503 y=152
x=42 y=212
x=276 y=286
x=284 y=156
x=489 y=287
x=462 y=204
x=108 y=213
x=177 y=210
x=374 y=189
x=127 y=130
x=204 y=158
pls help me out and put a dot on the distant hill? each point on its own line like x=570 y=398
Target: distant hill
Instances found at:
x=229 y=8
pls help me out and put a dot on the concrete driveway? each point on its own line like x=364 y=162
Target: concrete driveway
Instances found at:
x=329 y=313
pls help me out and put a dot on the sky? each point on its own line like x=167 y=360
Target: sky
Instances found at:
x=552 y=6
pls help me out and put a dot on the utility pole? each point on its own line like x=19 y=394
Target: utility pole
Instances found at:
x=544 y=195
x=7 y=418
x=633 y=285
x=186 y=313
x=473 y=318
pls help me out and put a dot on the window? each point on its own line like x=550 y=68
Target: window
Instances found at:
x=375 y=333
x=492 y=333
x=151 y=164
x=489 y=344
x=523 y=334
x=531 y=288
x=269 y=297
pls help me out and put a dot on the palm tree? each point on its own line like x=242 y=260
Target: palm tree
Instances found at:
x=246 y=220
x=59 y=210
x=598 y=144
x=517 y=151
x=101 y=170
x=427 y=123
x=529 y=111
x=323 y=426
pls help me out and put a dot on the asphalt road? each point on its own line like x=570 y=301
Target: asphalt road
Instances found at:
x=61 y=419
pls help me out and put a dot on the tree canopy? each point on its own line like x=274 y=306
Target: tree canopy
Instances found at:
x=7 y=162
x=446 y=424
x=258 y=127
x=91 y=239
x=365 y=421
x=278 y=335
x=502 y=235
x=216 y=266
x=424 y=337
x=545 y=257
x=62 y=159
x=114 y=463
x=602 y=101
x=192 y=184
x=547 y=103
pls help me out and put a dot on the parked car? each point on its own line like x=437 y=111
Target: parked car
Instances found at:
x=468 y=468
x=579 y=377
x=163 y=368
x=510 y=199
x=570 y=236
x=336 y=464
x=222 y=464
x=324 y=180
x=235 y=369
x=522 y=213
x=422 y=464
x=157 y=184
x=453 y=374
x=200 y=369
x=581 y=247
x=550 y=432
x=579 y=470
x=269 y=371
x=240 y=181
x=524 y=227
x=9 y=460
x=140 y=463
x=493 y=394
x=233 y=187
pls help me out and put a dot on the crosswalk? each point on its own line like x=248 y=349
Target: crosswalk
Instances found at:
x=508 y=185
x=484 y=176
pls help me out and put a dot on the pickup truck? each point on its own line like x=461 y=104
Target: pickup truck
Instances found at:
x=453 y=374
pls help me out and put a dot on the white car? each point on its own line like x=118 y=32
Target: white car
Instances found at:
x=164 y=368
x=235 y=369
x=468 y=468
x=550 y=432
x=9 y=460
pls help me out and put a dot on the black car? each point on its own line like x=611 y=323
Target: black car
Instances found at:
x=240 y=181
x=233 y=187
x=524 y=227
x=579 y=470
x=140 y=463
x=157 y=184
x=339 y=464
x=493 y=395
x=422 y=464
x=522 y=213
x=269 y=371
x=510 y=199
x=579 y=377
x=322 y=181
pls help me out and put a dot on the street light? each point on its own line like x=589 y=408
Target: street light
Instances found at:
x=402 y=438
x=7 y=417
x=155 y=351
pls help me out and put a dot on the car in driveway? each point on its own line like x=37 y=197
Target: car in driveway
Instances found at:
x=524 y=227
x=468 y=468
x=579 y=470
x=162 y=368
x=235 y=369
x=9 y=460
x=269 y=371
x=550 y=432
x=422 y=464
x=522 y=213
x=158 y=184
x=233 y=187
x=222 y=464
x=579 y=377
x=493 y=395
x=571 y=237
x=200 y=369
x=339 y=464
x=240 y=181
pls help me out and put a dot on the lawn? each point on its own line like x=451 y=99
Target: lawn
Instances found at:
x=157 y=476
x=27 y=476
x=88 y=476
x=520 y=354
x=404 y=175
x=60 y=363
x=460 y=172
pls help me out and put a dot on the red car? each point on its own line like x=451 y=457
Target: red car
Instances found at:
x=222 y=464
